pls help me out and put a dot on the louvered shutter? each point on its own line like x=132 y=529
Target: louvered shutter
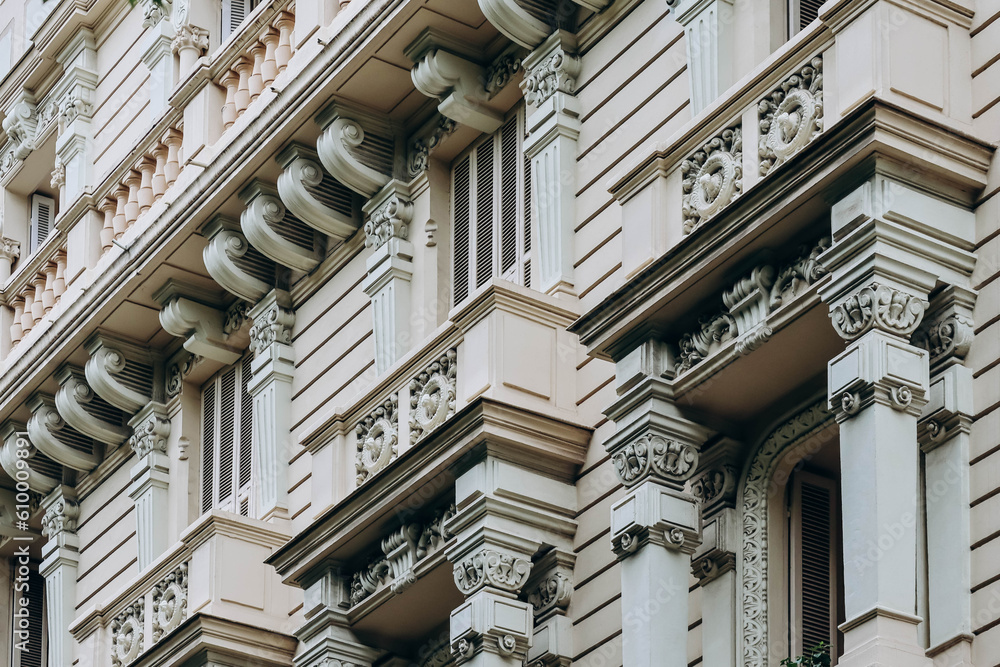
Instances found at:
x=508 y=199
x=246 y=437
x=461 y=207
x=227 y=438
x=33 y=654
x=484 y=212
x=808 y=11
x=209 y=445
x=814 y=562
x=42 y=210
x=233 y=13
x=527 y=221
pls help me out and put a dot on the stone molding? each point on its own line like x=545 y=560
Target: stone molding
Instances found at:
x=791 y=116
x=443 y=70
x=275 y=231
x=754 y=556
x=237 y=266
x=352 y=147
x=493 y=624
x=378 y=439
x=57 y=439
x=315 y=197
x=712 y=177
x=878 y=368
x=655 y=514
x=432 y=395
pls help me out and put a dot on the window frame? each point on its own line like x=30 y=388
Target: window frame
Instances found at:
x=240 y=500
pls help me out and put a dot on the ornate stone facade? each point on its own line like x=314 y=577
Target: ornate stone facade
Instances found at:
x=378 y=439
x=791 y=116
x=127 y=634
x=170 y=598
x=432 y=395
x=713 y=177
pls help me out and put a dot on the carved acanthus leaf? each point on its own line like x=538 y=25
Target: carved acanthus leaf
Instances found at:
x=378 y=438
x=556 y=73
x=237 y=315
x=500 y=73
x=176 y=373
x=552 y=591
x=879 y=307
x=170 y=598
x=488 y=567
x=791 y=116
x=713 y=331
x=655 y=455
x=272 y=324
x=151 y=428
x=62 y=516
x=390 y=220
x=21 y=124
x=713 y=177
x=422 y=147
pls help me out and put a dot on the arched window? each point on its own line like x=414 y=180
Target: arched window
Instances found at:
x=791 y=572
x=227 y=440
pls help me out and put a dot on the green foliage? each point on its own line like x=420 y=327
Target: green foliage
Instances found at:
x=817 y=656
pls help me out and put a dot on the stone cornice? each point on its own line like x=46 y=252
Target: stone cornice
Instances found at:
x=484 y=426
x=870 y=139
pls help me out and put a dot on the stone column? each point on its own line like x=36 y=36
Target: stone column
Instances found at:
x=656 y=526
x=882 y=272
x=505 y=514
x=271 y=386
x=326 y=636
x=151 y=481
x=549 y=590
x=75 y=93
x=714 y=560
x=60 y=559
x=390 y=269
x=553 y=128
x=944 y=434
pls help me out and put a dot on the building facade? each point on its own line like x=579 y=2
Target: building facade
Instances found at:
x=360 y=333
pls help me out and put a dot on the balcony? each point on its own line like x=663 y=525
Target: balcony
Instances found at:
x=207 y=590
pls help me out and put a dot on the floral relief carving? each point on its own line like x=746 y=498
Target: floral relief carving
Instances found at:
x=127 y=634
x=170 y=602
x=62 y=516
x=713 y=484
x=754 y=554
x=800 y=274
x=713 y=177
x=178 y=371
x=488 y=567
x=663 y=457
x=880 y=307
x=501 y=72
x=556 y=73
x=947 y=335
x=378 y=437
x=236 y=316
x=150 y=435
x=552 y=591
x=432 y=396
x=712 y=332
x=791 y=116
x=422 y=147
x=274 y=325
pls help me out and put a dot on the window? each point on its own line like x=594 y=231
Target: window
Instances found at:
x=233 y=13
x=42 y=212
x=491 y=212
x=801 y=13
x=28 y=631
x=227 y=440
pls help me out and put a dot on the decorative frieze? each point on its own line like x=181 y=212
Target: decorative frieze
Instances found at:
x=791 y=116
x=127 y=633
x=491 y=568
x=390 y=220
x=170 y=598
x=748 y=305
x=713 y=177
x=432 y=395
x=557 y=72
x=878 y=307
x=378 y=438
x=400 y=554
x=664 y=457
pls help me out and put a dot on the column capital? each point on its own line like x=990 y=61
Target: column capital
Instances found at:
x=150 y=428
x=878 y=368
x=273 y=318
x=551 y=68
x=389 y=216
x=654 y=513
x=880 y=307
x=948 y=326
x=60 y=518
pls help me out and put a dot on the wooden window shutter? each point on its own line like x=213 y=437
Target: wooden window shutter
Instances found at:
x=246 y=437
x=508 y=199
x=34 y=655
x=233 y=13
x=227 y=438
x=42 y=211
x=814 y=562
x=484 y=212
x=527 y=221
x=209 y=445
x=461 y=208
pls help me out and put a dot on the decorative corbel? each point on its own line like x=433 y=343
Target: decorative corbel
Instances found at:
x=357 y=148
x=23 y=462
x=232 y=262
x=57 y=439
x=21 y=124
x=278 y=234
x=318 y=199
x=87 y=412
x=186 y=314
x=444 y=69
x=518 y=20
x=122 y=372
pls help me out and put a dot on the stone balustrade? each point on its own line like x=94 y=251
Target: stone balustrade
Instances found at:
x=141 y=187
x=38 y=296
x=257 y=67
